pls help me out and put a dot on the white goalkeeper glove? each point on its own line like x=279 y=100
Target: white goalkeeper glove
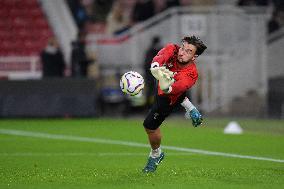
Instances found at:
x=164 y=76
x=167 y=73
x=165 y=84
x=157 y=71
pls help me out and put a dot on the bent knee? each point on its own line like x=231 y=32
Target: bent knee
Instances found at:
x=150 y=125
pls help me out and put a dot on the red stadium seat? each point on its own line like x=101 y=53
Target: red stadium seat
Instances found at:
x=24 y=29
x=36 y=13
x=3 y=12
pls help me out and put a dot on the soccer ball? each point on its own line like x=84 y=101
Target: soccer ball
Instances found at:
x=132 y=83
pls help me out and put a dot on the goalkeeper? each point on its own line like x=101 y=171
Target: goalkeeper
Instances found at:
x=175 y=70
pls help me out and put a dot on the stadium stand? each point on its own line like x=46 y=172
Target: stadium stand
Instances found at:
x=24 y=29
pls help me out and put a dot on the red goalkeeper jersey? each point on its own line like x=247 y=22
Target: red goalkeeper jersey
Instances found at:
x=184 y=77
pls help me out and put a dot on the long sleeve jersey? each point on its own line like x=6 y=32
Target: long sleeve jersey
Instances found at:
x=184 y=77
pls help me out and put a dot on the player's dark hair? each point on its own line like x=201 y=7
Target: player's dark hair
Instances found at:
x=196 y=42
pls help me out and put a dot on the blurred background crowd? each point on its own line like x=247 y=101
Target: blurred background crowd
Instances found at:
x=115 y=16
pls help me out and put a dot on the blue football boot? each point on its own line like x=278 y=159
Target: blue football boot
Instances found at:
x=153 y=163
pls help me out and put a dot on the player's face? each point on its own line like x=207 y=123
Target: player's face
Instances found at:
x=186 y=53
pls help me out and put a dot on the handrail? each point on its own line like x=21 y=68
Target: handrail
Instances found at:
x=275 y=36
x=20 y=67
x=145 y=25
x=136 y=28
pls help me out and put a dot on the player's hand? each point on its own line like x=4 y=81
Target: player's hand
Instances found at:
x=164 y=76
x=156 y=72
x=195 y=117
x=169 y=74
x=161 y=72
x=165 y=83
x=165 y=79
x=166 y=73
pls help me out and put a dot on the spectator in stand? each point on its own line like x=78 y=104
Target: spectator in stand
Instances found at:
x=79 y=59
x=253 y=3
x=117 y=20
x=245 y=2
x=262 y=2
x=279 y=4
x=273 y=24
x=143 y=10
x=101 y=8
x=79 y=12
x=53 y=64
x=151 y=52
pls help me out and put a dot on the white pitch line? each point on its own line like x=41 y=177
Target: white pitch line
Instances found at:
x=134 y=144
x=84 y=154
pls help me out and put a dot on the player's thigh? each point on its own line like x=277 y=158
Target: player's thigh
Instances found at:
x=158 y=113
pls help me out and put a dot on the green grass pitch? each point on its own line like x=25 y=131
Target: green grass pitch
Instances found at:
x=110 y=153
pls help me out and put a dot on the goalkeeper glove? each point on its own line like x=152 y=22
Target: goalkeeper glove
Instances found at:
x=165 y=83
x=158 y=71
x=164 y=76
x=195 y=116
x=192 y=113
